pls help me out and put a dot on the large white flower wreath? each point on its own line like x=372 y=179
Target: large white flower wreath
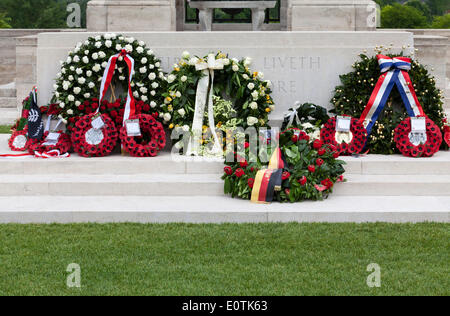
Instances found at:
x=81 y=74
x=217 y=90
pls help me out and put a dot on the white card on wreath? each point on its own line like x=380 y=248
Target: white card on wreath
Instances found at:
x=343 y=124
x=97 y=122
x=133 y=128
x=53 y=137
x=418 y=125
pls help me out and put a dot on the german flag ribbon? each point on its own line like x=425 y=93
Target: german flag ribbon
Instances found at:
x=269 y=180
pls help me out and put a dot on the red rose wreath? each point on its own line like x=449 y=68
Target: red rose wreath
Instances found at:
x=407 y=148
x=88 y=141
x=153 y=137
x=349 y=143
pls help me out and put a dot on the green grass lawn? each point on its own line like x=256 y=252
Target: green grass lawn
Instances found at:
x=250 y=259
x=5 y=129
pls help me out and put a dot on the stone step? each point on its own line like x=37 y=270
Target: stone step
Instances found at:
x=203 y=184
x=206 y=209
x=8 y=102
x=8 y=116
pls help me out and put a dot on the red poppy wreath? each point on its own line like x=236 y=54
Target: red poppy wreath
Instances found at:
x=19 y=140
x=346 y=143
x=151 y=141
x=62 y=144
x=416 y=148
x=88 y=141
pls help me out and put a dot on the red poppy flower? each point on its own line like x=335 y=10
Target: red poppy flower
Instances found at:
x=319 y=162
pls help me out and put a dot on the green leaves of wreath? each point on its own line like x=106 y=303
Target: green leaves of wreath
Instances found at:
x=353 y=94
x=235 y=85
x=81 y=74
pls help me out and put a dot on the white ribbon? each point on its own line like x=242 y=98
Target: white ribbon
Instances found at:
x=205 y=91
x=293 y=115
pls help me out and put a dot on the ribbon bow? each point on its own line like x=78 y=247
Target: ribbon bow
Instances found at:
x=394 y=71
x=205 y=91
x=130 y=108
x=292 y=116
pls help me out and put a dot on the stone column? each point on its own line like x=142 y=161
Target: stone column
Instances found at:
x=332 y=15
x=131 y=15
x=26 y=59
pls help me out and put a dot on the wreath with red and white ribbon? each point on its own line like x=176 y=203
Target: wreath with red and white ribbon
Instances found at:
x=151 y=141
x=89 y=141
x=54 y=144
x=410 y=148
x=346 y=143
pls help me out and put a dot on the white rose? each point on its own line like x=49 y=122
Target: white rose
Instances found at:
x=150 y=52
x=167 y=117
x=72 y=68
x=193 y=61
x=182 y=112
x=71 y=98
x=129 y=48
x=235 y=60
x=71 y=78
x=69 y=60
x=260 y=75
x=79 y=71
x=252 y=120
x=186 y=128
x=178 y=94
x=143 y=70
x=268 y=83
x=226 y=61
x=235 y=68
x=153 y=92
x=77 y=90
x=153 y=104
x=136 y=94
x=108 y=44
x=247 y=61
x=129 y=39
x=81 y=80
x=152 y=76
x=87 y=95
x=86 y=52
x=155 y=85
x=66 y=85
x=69 y=111
x=186 y=55
x=85 y=60
x=57 y=94
x=104 y=64
x=88 y=73
x=101 y=54
x=77 y=103
x=245 y=76
x=143 y=90
x=142 y=43
x=118 y=47
x=171 y=78
x=98 y=37
x=96 y=68
x=76 y=50
x=253 y=105
x=140 y=50
x=62 y=105
x=63 y=70
x=255 y=95
x=107 y=36
x=184 y=79
x=144 y=60
x=76 y=59
x=91 y=85
x=151 y=66
x=144 y=98
x=251 y=86
x=158 y=64
x=94 y=56
x=98 y=44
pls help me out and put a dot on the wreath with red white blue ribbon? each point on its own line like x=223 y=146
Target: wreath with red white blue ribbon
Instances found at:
x=394 y=72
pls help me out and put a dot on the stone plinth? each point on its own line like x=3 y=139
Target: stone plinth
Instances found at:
x=303 y=66
x=336 y=15
x=131 y=15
